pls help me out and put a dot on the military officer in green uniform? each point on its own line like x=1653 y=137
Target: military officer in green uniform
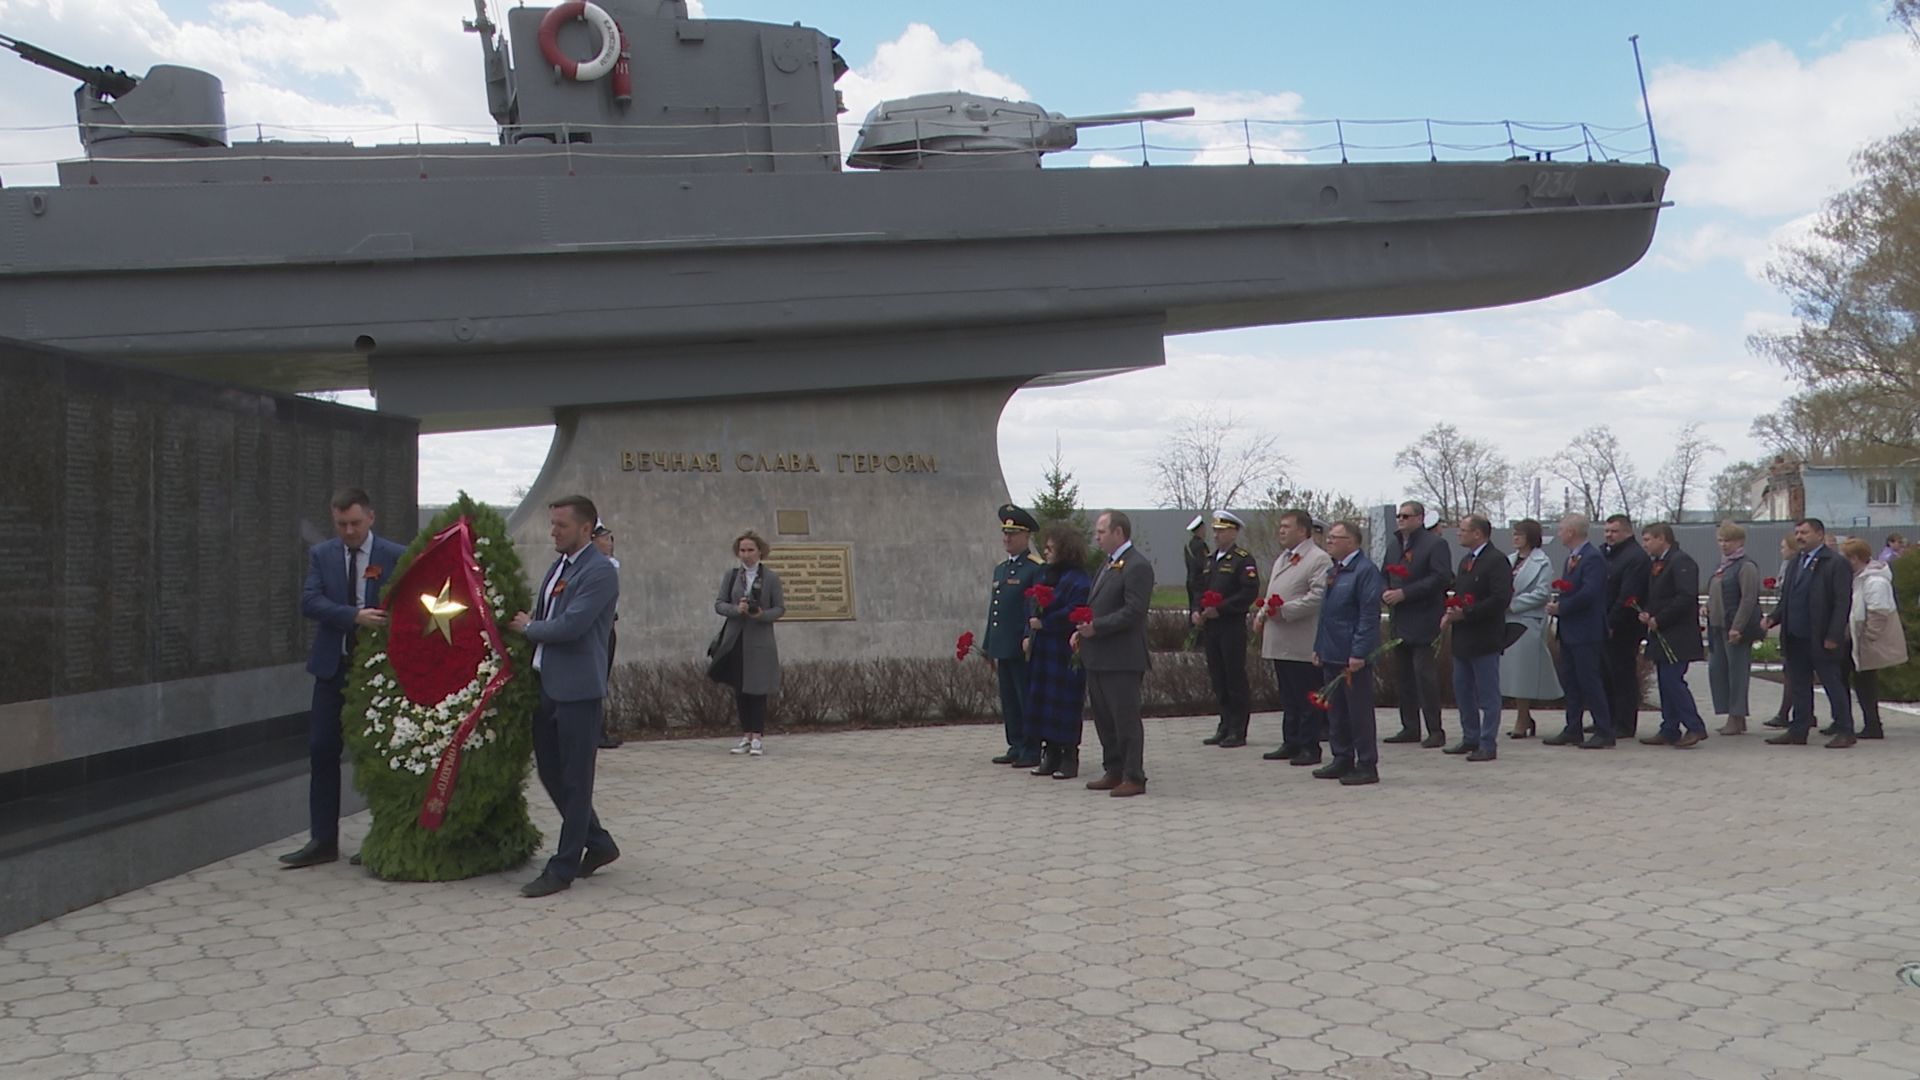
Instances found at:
x=1233 y=573
x=1007 y=632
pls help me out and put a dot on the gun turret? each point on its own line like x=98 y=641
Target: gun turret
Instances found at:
x=958 y=130
x=105 y=81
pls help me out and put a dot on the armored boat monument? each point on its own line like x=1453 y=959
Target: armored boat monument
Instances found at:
x=665 y=253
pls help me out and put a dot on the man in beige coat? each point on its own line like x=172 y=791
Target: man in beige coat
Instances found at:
x=1299 y=582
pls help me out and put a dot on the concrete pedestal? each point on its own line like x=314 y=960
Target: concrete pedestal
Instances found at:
x=906 y=480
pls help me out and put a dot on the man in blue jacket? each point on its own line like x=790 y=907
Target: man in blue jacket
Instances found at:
x=341 y=595
x=1582 y=613
x=570 y=629
x=1343 y=648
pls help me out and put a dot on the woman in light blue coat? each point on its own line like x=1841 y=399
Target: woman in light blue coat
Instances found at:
x=1526 y=669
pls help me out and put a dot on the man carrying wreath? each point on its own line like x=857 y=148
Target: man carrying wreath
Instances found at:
x=570 y=631
x=341 y=596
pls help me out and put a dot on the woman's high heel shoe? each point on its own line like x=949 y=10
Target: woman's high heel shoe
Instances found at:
x=1523 y=728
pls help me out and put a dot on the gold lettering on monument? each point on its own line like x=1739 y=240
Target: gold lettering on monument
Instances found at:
x=817 y=580
x=786 y=461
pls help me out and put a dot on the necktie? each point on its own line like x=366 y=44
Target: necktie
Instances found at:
x=357 y=590
x=1806 y=561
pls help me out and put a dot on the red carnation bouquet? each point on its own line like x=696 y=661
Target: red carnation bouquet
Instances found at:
x=1562 y=585
x=1042 y=597
x=1632 y=603
x=1398 y=571
x=1079 y=617
x=1322 y=698
x=1209 y=600
x=1274 y=604
x=963 y=646
x=1770 y=583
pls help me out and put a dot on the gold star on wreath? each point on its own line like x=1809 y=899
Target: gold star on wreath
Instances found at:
x=441 y=611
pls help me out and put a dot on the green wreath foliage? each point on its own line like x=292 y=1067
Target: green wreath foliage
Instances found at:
x=486 y=829
x=1902 y=681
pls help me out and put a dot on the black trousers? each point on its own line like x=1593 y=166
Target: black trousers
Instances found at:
x=753 y=712
x=1804 y=659
x=566 y=740
x=1225 y=640
x=324 y=743
x=1417 y=683
x=1620 y=657
x=1866 y=690
x=1302 y=727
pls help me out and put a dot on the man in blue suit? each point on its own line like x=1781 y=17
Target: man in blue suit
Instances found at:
x=1343 y=648
x=1582 y=611
x=570 y=630
x=341 y=595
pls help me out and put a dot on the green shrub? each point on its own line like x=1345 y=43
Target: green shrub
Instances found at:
x=486 y=829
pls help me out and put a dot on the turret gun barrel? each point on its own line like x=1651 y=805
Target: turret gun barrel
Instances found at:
x=1102 y=119
x=104 y=80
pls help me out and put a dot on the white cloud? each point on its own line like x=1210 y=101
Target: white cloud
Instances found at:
x=1343 y=412
x=919 y=62
x=1767 y=134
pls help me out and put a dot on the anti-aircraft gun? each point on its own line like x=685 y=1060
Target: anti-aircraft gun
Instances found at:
x=124 y=116
x=958 y=130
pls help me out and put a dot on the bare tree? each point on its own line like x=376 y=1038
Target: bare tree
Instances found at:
x=1732 y=489
x=1599 y=477
x=1685 y=473
x=1210 y=462
x=1455 y=475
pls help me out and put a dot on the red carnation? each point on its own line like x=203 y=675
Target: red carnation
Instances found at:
x=1080 y=616
x=1318 y=700
x=1562 y=585
x=1274 y=603
x=1467 y=600
x=963 y=646
x=1041 y=595
x=1211 y=599
x=1633 y=601
x=1770 y=583
x=1397 y=570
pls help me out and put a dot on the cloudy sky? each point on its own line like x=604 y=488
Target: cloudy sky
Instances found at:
x=1757 y=106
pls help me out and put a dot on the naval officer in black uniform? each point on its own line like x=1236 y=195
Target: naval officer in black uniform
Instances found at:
x=1005 y=640
x=1196 y=560
x=1233 y=573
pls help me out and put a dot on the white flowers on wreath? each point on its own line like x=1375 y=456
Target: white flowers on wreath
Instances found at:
x=416 y=735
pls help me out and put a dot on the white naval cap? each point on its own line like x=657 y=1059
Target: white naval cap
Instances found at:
x=1227 y=519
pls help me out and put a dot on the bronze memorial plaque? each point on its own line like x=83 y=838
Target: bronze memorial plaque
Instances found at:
x=791 y=522
x=817 y=579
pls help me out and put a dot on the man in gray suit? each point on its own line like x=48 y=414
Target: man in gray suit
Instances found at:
x=570 y=635
x=1113 y=647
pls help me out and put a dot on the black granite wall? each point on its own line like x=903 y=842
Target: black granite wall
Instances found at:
x=155 y=528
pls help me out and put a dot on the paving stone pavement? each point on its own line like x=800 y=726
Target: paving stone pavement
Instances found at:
x=887 y=905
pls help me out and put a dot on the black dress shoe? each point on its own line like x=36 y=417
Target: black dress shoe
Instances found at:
x=1333 y=770
x=1461 y=747
x=355 y=861
x=609 y=743
x=545 y=885
x=1595 y=742
x=1830 y=729
x=1403 y=737
x=313 y=854
x=1362 y=775
x=1003 y=759
x=1306 y=756
x=1482 y=755
x=1284 y=753
x=1841 y=741
x=1435 y=740
x=1213 y=739
x=1025 y=763
x=1788 y=738
x=1231 y=742
x=1776 y=722
x=1565 y=738
x=594 y=860
x=1873 y=733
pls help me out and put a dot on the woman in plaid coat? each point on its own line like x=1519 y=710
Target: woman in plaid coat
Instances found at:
x=1056 y=686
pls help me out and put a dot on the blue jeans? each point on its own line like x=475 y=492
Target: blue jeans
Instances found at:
x=1476 y=690
x=1677 y=709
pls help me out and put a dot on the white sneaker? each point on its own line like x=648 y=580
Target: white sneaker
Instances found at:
x=754 y=750
x=745 y=742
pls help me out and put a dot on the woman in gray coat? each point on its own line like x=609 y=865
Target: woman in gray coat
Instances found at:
x=1526 y=670
x=747 y=658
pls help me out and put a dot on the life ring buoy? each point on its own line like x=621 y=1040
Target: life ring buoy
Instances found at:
x=613 y=58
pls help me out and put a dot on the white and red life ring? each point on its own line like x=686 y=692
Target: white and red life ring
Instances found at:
x=613 y=58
